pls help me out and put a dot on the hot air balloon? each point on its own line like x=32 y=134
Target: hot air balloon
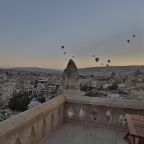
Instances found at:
x=133 y=35
x=109 y=61
x=128 y=41
x=96 y=59
x=64 y=52
x=73 y=56
x=62 y=47
x=107 y=65
x=93 y=55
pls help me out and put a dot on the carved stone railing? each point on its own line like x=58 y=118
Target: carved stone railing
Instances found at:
x=103 y=112
x=32 y=126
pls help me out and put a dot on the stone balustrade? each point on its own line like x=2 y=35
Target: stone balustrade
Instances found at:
x=103 y=112
x=31 y=126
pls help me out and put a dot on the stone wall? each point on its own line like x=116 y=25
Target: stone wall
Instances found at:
x=100 y=112
x=31 y=126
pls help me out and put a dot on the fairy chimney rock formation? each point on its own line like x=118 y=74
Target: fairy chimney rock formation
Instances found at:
x=71 y=76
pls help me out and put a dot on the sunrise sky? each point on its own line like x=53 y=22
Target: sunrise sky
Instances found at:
x=32 y=32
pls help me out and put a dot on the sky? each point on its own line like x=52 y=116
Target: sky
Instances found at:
x=33 y=31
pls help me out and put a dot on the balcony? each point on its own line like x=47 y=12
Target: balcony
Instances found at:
x=70 y=133
x=71 y=119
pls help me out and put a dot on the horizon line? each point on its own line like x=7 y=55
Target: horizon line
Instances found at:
x=12 y=67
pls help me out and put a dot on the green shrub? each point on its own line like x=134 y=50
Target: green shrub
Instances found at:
x=113 y=87
x=19 y=102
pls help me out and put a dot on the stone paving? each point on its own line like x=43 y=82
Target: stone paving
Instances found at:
x=85 y=134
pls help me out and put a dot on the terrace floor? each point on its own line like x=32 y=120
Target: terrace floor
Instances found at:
x=85 y=134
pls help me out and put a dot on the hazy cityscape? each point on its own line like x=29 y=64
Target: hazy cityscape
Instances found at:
x=71 y=72
x=41 y=85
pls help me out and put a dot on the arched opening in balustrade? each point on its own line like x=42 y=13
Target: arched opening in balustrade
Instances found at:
x=44 y=126
x=82 y=113
x=52 y=121
x=94 y=115
x=18 y=141
x=70 y=112
x=33 y=135
x=122 y=120
x=108 y=117
x=59 y=112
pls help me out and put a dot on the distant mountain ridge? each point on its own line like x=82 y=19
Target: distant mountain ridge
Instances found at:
x=116 y=69
x=33 y=69
x=88 y=70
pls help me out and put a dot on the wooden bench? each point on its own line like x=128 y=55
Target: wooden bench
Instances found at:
x=136 y=127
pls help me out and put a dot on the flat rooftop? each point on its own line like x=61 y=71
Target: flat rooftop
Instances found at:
x=85 y=134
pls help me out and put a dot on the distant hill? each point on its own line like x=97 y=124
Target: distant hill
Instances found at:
x=34 y=69
x=89 y=70
x=116 y=69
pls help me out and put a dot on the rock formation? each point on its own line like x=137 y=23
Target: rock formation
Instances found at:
x=71 y=76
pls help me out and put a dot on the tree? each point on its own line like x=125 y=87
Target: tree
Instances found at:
x=113 y=87
x=86 y=88
x=92 y=76
x=19 y=101
x=41 y=99
x=113 y=74
x=93 y=94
